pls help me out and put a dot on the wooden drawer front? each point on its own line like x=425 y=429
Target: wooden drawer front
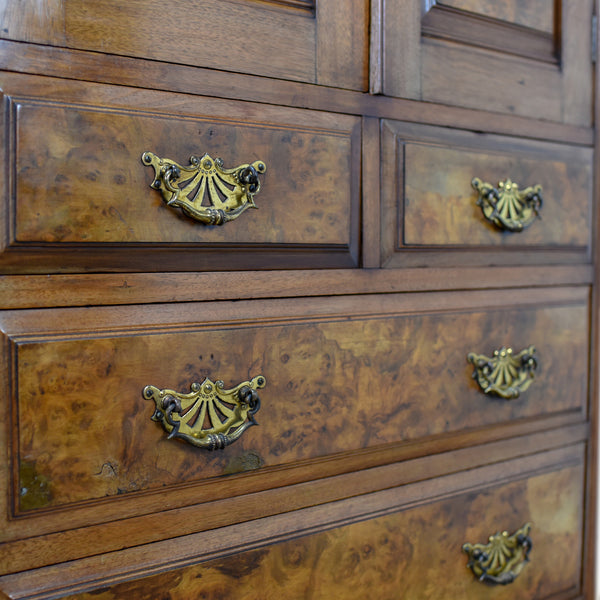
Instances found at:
x=429 y=201
x=289 y=39
x=412 y=554
x=342 y=375
x=79 y=182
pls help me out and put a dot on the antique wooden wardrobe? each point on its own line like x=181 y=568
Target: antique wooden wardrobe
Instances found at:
x=297 y=299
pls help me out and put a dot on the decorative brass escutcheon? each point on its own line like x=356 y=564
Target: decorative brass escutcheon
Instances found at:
x=502 y=558
x=209 y=416
x=505 y=374
x=204 y=190
x=507 y=207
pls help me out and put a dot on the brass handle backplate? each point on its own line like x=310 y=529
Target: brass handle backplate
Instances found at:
x=210 y=416
x=502 y=558
x=505 y=374
x=204 y=190
x=507 y=207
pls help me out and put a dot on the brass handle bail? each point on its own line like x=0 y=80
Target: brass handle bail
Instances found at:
x=205 y=190
x=210 y=416
x=507 y=207
x=502 y=559
x=505 y=374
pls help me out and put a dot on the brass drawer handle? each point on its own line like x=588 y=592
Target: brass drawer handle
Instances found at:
x=508 y=208
x=225 y=193
x=209 y=416
x=505 y=374
x=503 y=558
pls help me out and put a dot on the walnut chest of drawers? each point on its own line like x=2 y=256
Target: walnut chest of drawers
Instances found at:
x=298 y=299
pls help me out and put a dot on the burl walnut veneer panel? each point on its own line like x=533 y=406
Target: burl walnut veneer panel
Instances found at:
x=429 y=203
x=78 y=181
x=342 y=375
x=412 y=554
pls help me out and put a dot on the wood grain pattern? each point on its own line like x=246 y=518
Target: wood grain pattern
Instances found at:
x=440 y=204
x=334 y=385
x=444 y=62
x=459 y=74
x=475 y=30
x=535 y=14
x=74 y=64
x=414 y=483
x=343 y=44
x=80 y=180
x=428 y=200
x=32 y=20
x=577 y=86
x=273 y=39
x=38 y=291
x=413 y=554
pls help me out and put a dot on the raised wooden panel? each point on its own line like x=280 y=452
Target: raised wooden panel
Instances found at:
x=534 y=14
x=272 y=38
x=446 y=23
x=78 y=180
x=491 y=56
x=429 y=202
x=342 y=375
x=415 y=553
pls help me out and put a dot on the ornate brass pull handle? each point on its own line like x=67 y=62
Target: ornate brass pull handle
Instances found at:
x=507 y=207
x=209 y=416
x=505 y=374
x=228 y=192
x=503 y=558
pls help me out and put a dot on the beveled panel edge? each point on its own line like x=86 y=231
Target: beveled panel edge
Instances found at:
x=471 y=29
x=491 y=142
x=89 y=66
x=302 y=5
x=63 y=290
x=123 y=565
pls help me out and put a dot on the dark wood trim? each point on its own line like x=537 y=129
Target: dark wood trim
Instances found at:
x=39 y=291
x=445 y=22
x=94 y=67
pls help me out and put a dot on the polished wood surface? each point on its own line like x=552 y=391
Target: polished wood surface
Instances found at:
x=39 y=291
x=536 y=14
x=456 y=72
x=428 y=201
x=444 y=22
x=441 y=209
x=73 y=446
x=288 y=40
x=88 y=140
x=91 y=66
x=349 y=289
x=400 y=554
x=256 y=522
